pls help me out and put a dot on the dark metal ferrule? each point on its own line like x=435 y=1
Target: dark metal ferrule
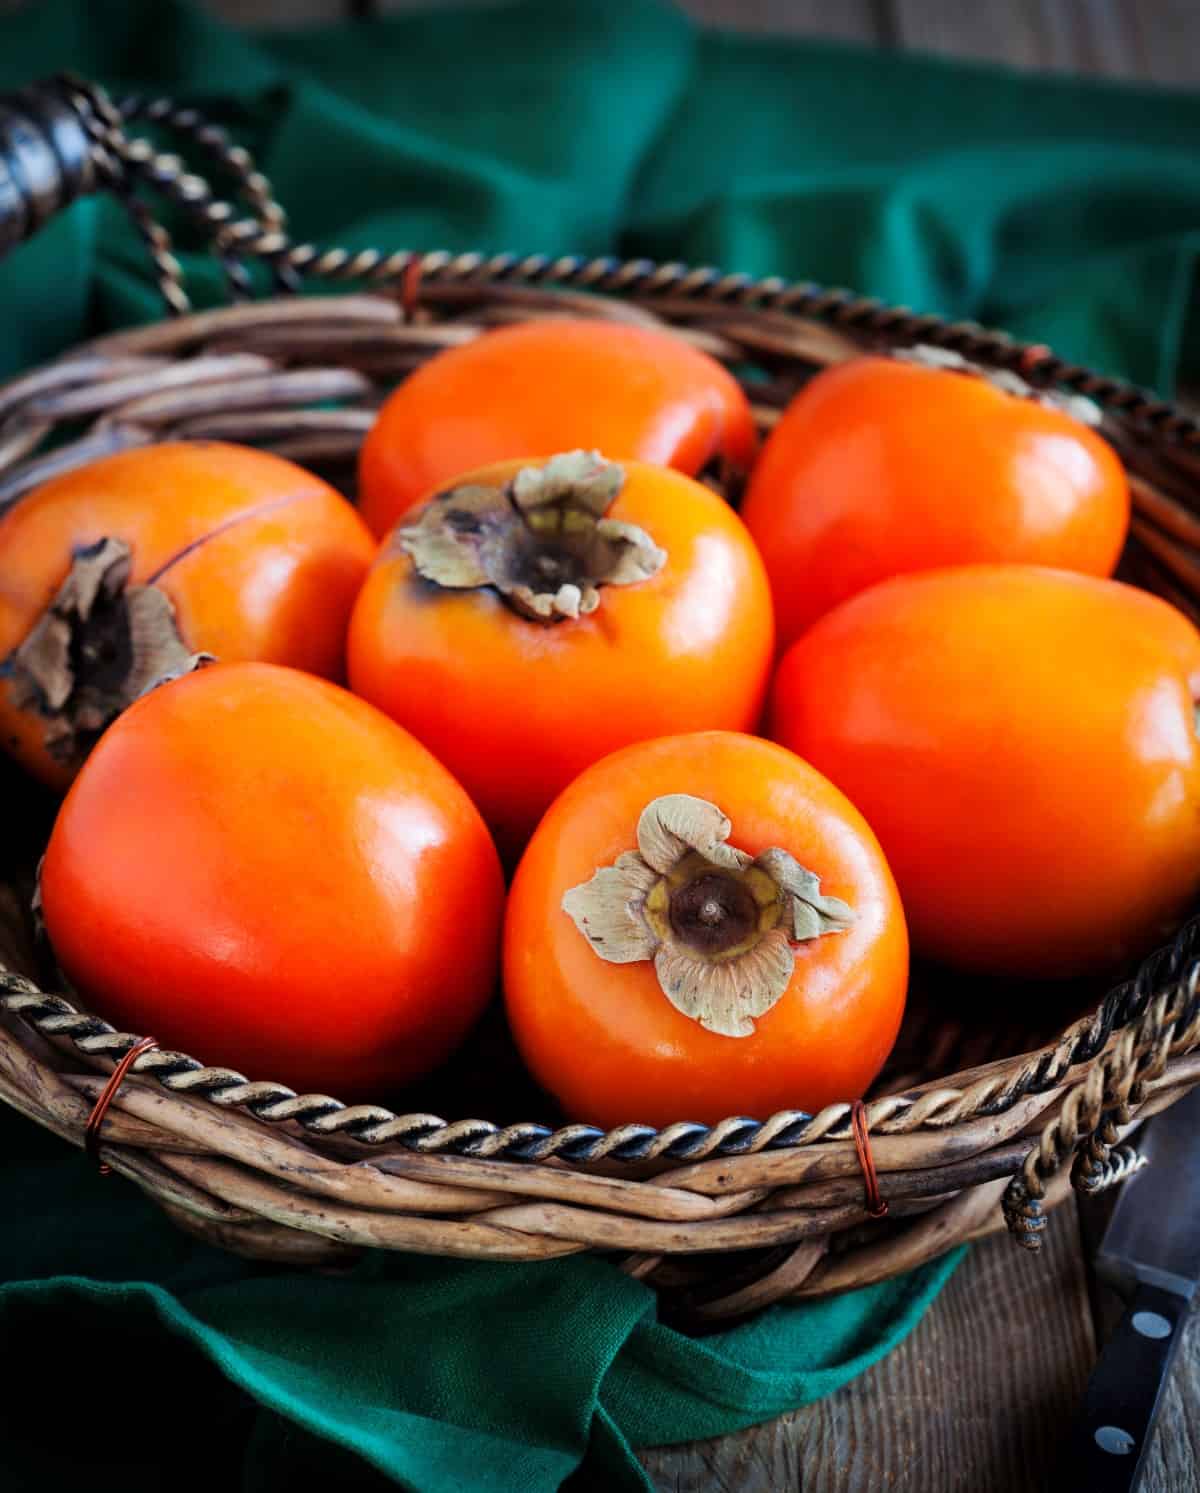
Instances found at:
x=45 y=160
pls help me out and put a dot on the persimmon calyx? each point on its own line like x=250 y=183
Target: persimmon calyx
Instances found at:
x=542 y=540
x=1085 y=410
x=721 y=926
x=99 y=645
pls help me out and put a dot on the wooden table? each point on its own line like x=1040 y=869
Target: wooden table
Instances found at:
x=979 y=1395
x=975 y=1400
x=1151 y=40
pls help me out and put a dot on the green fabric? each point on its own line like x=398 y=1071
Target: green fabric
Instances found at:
x=180 y=1364
x=1066 y=212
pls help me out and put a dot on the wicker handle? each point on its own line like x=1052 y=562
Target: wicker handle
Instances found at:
x=46 y=160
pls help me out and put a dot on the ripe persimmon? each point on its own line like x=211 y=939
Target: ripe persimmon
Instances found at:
x=259 y=869
x=115 y=574
x=1023 y=742
x=544 y=386
x=536 y=616
x=703 y=926
x=882 y=466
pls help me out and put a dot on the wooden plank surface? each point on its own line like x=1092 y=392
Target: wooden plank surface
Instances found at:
x=1093 y=37
x=974 y=1399
x=1173 y=1463
x=852 y=20
x=1151 y=40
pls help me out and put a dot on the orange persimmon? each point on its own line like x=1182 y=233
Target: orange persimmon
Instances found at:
x=112 y=575
x=546 y=386
x=703 y=926
x=261 y=870
x=1023 y=742
x=883 y=466
x=536 y=616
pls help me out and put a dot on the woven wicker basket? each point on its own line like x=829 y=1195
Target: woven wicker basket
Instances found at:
x=969 y=1126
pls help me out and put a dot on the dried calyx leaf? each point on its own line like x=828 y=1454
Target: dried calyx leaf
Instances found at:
x=721 y=926
x=541 y=541
x=810 y=912
x=99 y=645
x=676 y=823
x=1085 y=410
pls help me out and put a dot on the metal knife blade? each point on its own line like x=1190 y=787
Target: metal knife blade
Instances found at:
x=1151 y=1254
x=1153 y=1236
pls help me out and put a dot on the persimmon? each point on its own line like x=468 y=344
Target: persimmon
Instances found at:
x=703 y=926
x=259 y=869
x=882 y=466
x=536 y=616
x=1023 y=742
x=545 y=386
x=117 y=573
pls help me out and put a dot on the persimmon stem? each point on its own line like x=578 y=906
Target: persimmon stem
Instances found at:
x=1078 y=406
x=721 y=927
x=99 y=645
x=542 y=541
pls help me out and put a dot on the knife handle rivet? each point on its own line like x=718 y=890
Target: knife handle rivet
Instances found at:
x=1151 y=1324
x=1113 y=1439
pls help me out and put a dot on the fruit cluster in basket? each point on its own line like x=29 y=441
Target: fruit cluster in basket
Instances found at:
x=688 y=781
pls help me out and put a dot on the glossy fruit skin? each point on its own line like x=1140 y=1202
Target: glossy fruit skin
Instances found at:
x=516 y=709
x=540 y=387
x=261 y=559
x=261 y=870
x=880 y=467
x=1022 y=742
x=605 y=1040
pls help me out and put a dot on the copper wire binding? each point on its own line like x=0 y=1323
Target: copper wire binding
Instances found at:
x=410 y=287
x=91 y=1131
x=876 y=1206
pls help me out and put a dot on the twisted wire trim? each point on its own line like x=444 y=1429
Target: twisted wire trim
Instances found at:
x=127 y=162
x=706 y=284
x=322 y=1115
x=216 y=144
x=1124 y=1161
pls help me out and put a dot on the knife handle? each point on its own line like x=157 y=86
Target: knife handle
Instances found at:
x=1108 y=1448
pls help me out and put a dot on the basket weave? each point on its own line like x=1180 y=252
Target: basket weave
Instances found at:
x=771 y=1207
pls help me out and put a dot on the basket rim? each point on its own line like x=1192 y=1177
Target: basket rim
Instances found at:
x=934 y=1105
